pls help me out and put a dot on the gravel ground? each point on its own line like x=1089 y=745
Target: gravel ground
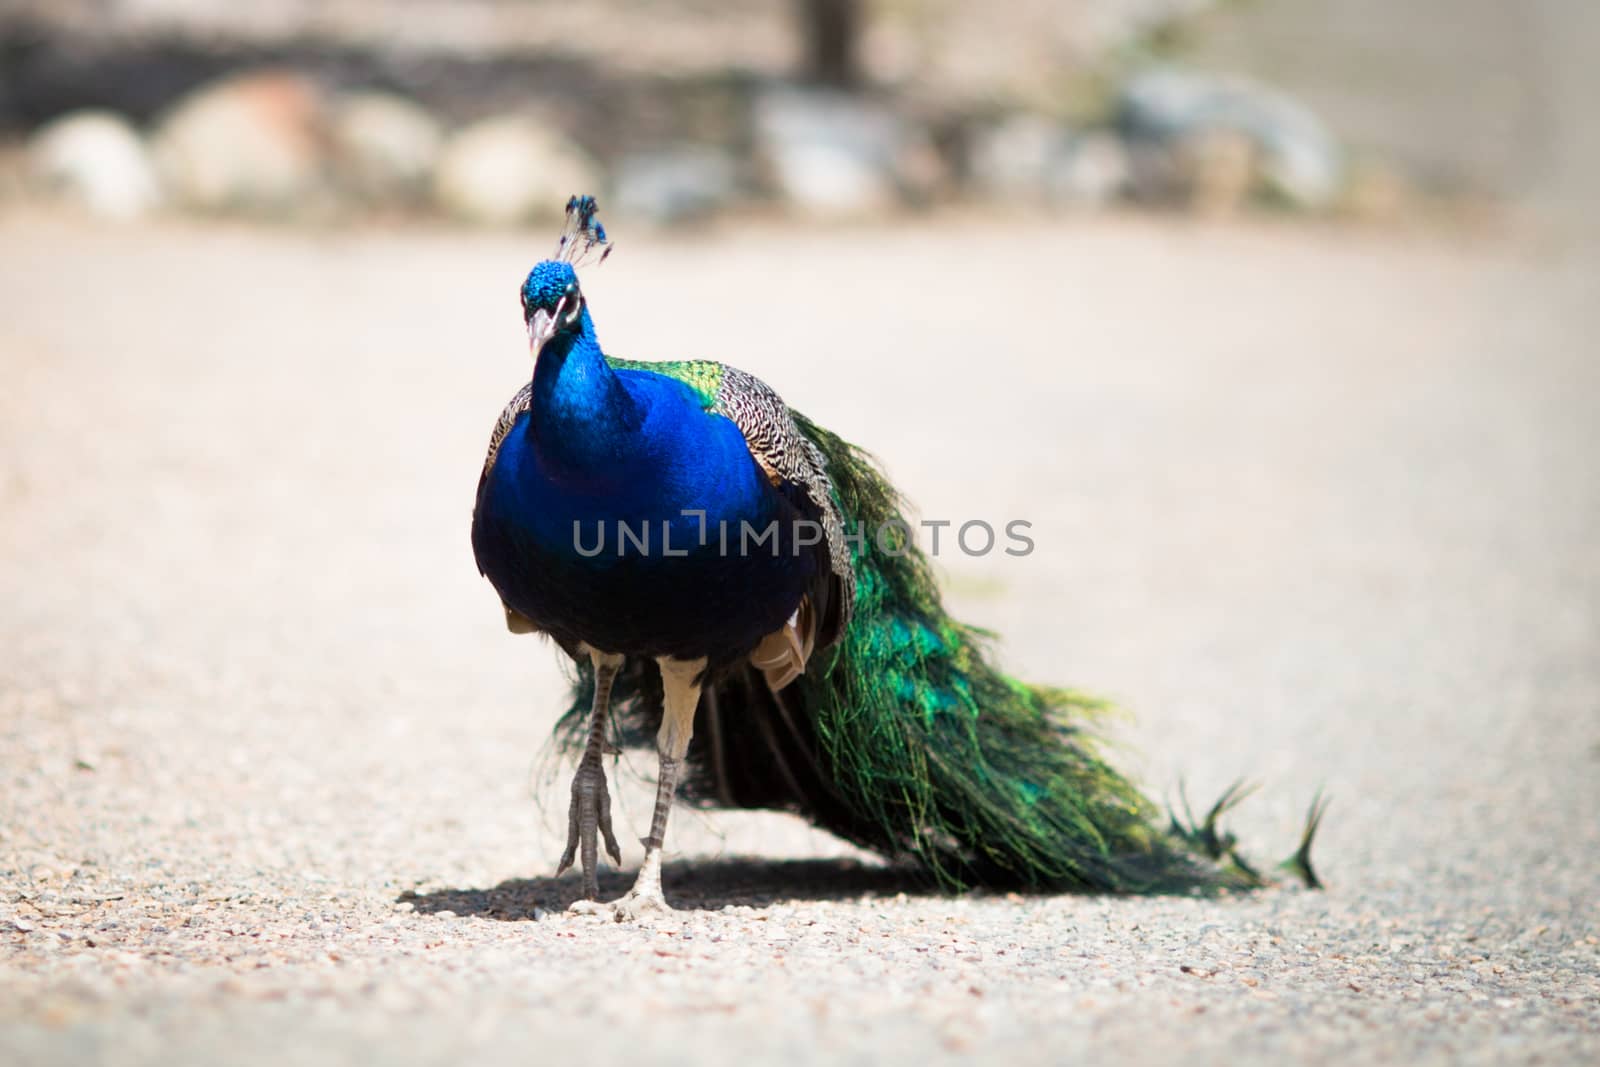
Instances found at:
x=1322 y=507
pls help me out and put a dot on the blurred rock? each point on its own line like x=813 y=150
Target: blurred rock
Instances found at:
x=673 y=186
x=1154 y=172
x=1093 y=172
x=1013 y=158
x=1220 y=171
x=921 y=170
x=833 y=154
x=96 y=161
x=1376 y=192
x=1037 y=160
x=13 y=171
x=385 y=146
x=1300 y=161
x=254 y=142
x=511 y=169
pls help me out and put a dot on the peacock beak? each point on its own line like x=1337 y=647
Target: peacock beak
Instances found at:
x=541 y=327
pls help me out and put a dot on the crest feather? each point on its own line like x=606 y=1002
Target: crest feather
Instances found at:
x=583 y=233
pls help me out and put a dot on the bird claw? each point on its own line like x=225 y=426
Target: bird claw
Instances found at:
x=630 y=907
x=589 y=812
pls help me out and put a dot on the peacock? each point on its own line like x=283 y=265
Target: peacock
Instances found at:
x=721 y=568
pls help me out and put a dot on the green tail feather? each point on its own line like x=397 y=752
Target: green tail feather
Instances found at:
x=907 y=740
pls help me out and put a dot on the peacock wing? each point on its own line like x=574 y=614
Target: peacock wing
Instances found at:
x=790 y=460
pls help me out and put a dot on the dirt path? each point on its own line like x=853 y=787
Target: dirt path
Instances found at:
x=1322 y=508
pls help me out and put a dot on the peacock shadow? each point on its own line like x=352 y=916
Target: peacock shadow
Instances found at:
x=692 y=885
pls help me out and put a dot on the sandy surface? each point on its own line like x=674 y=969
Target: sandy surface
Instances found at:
x=1322 y=508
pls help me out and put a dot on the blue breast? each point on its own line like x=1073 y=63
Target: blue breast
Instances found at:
x=597 y=535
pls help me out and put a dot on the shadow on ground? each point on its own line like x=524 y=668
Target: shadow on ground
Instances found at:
x=696 y=885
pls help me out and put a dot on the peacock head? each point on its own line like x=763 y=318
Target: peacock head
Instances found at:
x=552 y=302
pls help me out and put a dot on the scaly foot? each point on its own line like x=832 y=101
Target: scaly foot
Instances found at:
x=644 y=900
x=630 y=907
x=590 y=811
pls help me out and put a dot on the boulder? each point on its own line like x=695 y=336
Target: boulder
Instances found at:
x=1299 y=160
x=1033 y=159
x=96 y=161
x=674 y=185
x=834 y=154
x=511 y=169
x=385 y=147
x=1220 y=169
x=1012 y=159
x=253 y=142
x=1093 y=171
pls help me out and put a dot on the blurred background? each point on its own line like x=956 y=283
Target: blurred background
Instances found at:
x=487 y=111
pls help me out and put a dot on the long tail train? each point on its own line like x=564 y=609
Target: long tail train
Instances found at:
x=906 y=740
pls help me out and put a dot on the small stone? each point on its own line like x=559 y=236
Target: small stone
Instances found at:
x=96 y=161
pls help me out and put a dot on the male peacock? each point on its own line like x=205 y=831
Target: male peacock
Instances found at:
x=719 y=566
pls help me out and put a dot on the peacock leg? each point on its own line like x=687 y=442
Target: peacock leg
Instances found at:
x=680 y=684
x=591 y=802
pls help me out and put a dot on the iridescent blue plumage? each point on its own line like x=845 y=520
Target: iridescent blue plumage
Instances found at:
x=600 y=517
x=600 y=451
x=546 y=283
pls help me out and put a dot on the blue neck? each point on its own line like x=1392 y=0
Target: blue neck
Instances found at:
x=582 y=416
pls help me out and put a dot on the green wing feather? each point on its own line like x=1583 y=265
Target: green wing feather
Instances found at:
x=704 y=376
